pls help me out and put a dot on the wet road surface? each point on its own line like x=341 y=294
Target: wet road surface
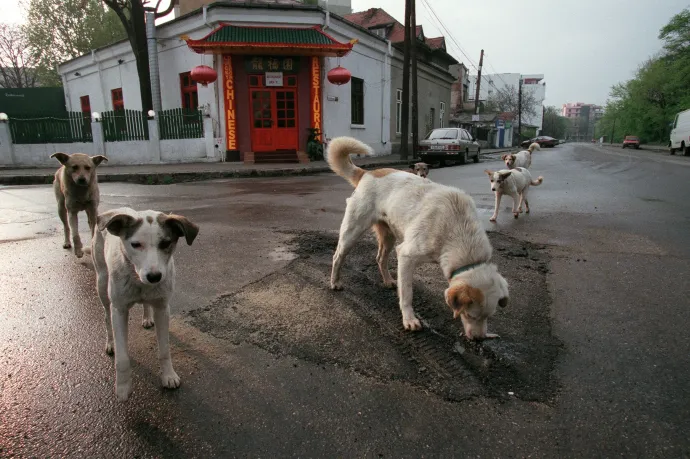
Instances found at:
x=592 y=359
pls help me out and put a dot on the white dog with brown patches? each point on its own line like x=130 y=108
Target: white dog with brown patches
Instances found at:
x=521 y=158
x=133 y=257
x=431 y=223
x=515 y=183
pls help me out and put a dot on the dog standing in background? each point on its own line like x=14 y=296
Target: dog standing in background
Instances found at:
x=421 y=169
x=515 y=183
x=76 y=190
x=521 y=158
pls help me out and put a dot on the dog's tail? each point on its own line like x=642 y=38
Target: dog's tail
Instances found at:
x=538 y=181
x=339 y=151
x=534 y=146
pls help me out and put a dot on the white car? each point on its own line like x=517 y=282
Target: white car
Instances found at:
x=680 y=135
x=448 y=144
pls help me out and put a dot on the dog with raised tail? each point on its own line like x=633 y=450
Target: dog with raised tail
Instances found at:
x=521 y=158
x=515 y=183
x=133 y=256
x=430 y=223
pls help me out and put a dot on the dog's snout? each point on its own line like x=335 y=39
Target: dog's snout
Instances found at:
x=154 y=277
x=81 y=180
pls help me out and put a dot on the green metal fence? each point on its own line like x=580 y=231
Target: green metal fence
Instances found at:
x=181 y=123
x=67 y=128
x=123 y=125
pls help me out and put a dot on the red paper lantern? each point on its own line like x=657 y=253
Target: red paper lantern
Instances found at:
x=204 y=74
x=339 y=75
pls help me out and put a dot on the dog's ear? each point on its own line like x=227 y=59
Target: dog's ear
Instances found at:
x=505 y=156
x=488 y=172
x=115 y=222
x=180 y=226
x=98 y=159
x=62 y=157
x=504 y=175
x=503 y=302
x=461 y=296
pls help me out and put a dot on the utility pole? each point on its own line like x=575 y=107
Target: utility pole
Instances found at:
x=520 y=111
x=613 y=130
x=476 y=93
x=413 y=59
x=405 y=121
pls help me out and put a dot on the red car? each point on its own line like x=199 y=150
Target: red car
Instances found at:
x=543 y=141
x=631 y=141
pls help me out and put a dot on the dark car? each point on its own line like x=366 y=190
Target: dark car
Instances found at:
x=543 y=141
x=448 y=144
x=631 y=141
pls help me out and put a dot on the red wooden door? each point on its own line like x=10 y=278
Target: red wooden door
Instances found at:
x=263 y=108
x=273 y=115
x=287 y=135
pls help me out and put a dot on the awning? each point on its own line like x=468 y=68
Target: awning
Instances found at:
x=291 y=41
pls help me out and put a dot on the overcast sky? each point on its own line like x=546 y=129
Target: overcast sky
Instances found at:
x=581 y=46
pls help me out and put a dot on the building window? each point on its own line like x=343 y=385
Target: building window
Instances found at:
x=432 y=119
x=85 y=106
x=118 y=101
x=398 y=111
x=190 y=97
x=442 y=114
x=357 y=101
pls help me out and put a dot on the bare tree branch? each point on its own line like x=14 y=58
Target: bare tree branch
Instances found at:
x=17 y=61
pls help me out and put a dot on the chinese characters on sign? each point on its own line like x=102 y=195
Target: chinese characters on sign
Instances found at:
x=262 y=64
x=316 y=95
x=230 y=110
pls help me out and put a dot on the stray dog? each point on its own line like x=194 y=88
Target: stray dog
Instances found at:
x=521 y=158
x=432 y=223
x=133 y=257
x=514 y=183
x=421 y=169
x=76 y=189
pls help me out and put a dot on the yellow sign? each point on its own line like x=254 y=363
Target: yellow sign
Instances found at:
x=230 y=110
x=316 y=95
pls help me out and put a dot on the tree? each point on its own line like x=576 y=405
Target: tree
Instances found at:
x=132 y=15
x=59 y=31
x=554 y=124
x=506 y=100
x=17 y=61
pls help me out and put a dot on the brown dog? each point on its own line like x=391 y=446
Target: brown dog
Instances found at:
x=76 y=189
x=421 y=169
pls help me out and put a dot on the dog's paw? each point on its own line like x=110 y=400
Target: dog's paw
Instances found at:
x=67 y=245
x=516 y=214
x=123 y=390
x=392 y=284
x=492 y=219
x=336 y=286
x=170 y=380
x=527 y=211
x=79 y=253
x=412 y=323
x=109 y=349
x=520 y=210
x=147 y=323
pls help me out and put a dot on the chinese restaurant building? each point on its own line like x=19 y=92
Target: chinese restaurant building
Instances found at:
x=271 y=61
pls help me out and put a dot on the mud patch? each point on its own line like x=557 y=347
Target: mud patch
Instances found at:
x=292 y=312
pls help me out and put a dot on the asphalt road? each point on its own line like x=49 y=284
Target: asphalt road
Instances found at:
x=593 y=359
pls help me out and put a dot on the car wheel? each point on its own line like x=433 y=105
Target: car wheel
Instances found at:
x=623 y=146
x=672 y=151
x=465 y=157
x=442 y=163
x=686 y=151
x=476 y=158
x=637 y=147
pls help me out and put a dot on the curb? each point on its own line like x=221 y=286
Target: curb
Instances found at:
x=143 y=178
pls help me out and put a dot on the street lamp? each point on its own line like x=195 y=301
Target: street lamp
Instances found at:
x=95 y=116
x=3 y=117
x=151 y=114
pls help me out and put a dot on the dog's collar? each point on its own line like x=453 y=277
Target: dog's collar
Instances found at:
x=465 y=268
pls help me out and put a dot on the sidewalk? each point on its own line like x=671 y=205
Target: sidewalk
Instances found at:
x=157 y=174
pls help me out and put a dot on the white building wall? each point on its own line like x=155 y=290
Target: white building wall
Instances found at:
x=492 y=83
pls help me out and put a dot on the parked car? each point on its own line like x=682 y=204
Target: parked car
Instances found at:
x=542 y=140
x=680 y=134
x=448 y=144
x=631 y=141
